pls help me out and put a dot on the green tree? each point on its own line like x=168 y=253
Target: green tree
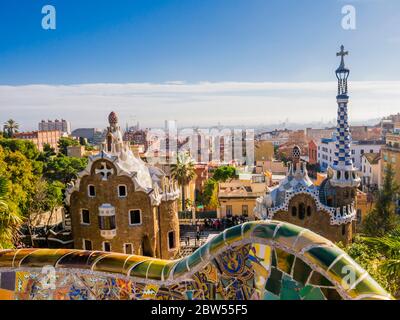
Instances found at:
x=48 y=152
x=10 y=128
x=389 y=247
x=64 y=143
x=9 y=217
x=209 y=196
x=64 y=169
x=26 y=147
x=369 y=258
x=224 y=173
x=383 y=218
x=45 y=199
x=3 y=193
x=21 y=175
x=21 y=170
x=209 y=186
x=214 y=202
x=183 y=171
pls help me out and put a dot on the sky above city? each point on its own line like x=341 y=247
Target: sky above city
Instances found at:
x=200 y=62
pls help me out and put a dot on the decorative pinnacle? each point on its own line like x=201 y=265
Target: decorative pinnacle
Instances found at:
x=341 y=54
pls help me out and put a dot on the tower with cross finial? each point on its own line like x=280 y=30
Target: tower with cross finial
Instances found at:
x=344 y=173
x=342 y=73
x=329 y=208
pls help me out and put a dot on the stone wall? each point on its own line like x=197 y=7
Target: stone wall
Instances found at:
x=317 y=221
x=169 y=222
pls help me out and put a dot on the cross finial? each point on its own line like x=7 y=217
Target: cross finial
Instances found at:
x=341 y=54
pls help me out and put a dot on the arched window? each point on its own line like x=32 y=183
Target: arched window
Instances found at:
x=308 y=211
x=346 y=175
x=302 y=211
x=294 y=211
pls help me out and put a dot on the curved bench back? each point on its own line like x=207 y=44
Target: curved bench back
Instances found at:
x=256 y=260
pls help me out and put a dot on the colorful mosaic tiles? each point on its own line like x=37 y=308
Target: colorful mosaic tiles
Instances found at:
x=257 y=260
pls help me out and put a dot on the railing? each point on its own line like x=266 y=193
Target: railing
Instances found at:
x=199 y=215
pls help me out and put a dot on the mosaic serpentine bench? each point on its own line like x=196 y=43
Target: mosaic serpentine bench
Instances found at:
x=256 y=260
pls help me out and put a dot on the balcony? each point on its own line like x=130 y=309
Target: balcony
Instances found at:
x=108 y=234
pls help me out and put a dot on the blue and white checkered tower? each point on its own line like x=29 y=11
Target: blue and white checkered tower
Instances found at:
x=345 y=174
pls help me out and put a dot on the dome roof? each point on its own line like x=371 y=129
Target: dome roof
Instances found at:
x=112 y=118
x=296 y=153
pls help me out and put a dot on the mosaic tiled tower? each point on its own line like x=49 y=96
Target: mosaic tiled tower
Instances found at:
x=345 y=174
x=330 y=208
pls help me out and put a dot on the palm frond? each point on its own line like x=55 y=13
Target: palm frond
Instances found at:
x=3 y=187
x=3 y=192
x=391 y=267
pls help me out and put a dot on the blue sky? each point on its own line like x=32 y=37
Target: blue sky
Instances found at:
x=192 y=41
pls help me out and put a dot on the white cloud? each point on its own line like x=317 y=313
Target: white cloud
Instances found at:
x=203 y=103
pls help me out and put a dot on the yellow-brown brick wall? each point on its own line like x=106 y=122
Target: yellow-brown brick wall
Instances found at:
x=319 y=221
x=107 y=192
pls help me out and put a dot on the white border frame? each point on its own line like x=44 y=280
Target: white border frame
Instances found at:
x=129 y=218
x=126 y=191
x=83 y=244
x=88 y=191
x=103 y=246
x=81 y=216
x=130 y=243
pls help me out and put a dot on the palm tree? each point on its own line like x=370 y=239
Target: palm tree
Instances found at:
x=11 y=127
x=388 y=246
x=183 y=171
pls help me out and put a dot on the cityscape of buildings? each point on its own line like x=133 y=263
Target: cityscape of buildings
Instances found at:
x=171 y=193
x=199 y=150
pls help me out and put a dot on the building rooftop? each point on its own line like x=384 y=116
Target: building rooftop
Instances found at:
x=372 y=158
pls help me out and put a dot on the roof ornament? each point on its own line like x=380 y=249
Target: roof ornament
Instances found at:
x=113 y=118
x=342 y=73
x=341 y=54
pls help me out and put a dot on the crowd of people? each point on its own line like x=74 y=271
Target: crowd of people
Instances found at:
x=223 y=223
x=213 y=224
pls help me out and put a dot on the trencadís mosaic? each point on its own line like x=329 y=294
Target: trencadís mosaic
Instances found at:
x=257 y=260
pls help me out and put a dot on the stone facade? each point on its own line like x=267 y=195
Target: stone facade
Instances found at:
x=41 y=138
x=121 y=204
x=315 y=219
